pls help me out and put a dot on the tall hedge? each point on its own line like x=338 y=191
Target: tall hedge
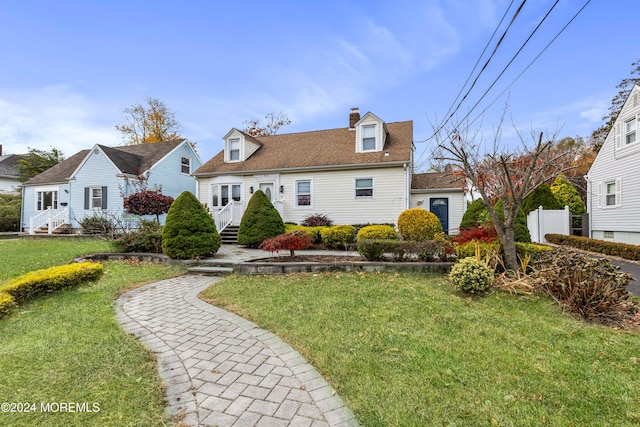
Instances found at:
x=475 y=213
x=261 y=221
x=567 y=195
x=541 y=196
x=189 y=231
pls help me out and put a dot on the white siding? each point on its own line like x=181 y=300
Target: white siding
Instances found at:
x=9 y=185
x=457 y=205
x=617 y=163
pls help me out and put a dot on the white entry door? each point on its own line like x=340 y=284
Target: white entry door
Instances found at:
x=268 y=189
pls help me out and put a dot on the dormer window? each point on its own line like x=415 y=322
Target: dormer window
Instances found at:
x=234 y=149
x=369 y=138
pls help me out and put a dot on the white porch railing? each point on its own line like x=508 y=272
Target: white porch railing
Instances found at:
x=232 y=213
x=51 y=218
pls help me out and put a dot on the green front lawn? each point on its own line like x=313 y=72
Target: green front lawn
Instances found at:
x=68 y=346
x=407 y=350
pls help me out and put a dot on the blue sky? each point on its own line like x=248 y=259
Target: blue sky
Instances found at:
x=71 y=67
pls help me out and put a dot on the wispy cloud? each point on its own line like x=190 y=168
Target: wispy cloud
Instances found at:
x=53 y=116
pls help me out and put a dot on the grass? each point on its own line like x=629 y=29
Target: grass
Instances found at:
x=23 y=255
x=68 y=347
x=408 y=350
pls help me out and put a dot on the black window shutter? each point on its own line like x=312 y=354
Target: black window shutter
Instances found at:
x=104 y=197
x=86 y=197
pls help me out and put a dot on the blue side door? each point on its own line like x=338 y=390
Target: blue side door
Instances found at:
x=440 y=207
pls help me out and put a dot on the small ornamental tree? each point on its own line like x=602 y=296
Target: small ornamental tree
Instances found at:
x=261 y=221
x=189 y=232
x=288 y=242
x=148 y=203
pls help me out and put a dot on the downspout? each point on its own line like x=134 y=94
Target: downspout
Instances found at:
x=589 y=202
x=407 y=187
x=22 y=212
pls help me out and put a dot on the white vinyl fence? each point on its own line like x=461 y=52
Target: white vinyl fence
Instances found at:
x=541 y=222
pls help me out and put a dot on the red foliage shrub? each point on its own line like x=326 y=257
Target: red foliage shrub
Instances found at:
x=147 y=203
x=478 y=234
x=287 y=241
x=317 y=220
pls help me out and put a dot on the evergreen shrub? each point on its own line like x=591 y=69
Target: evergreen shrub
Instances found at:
x=338 y=236
x=189 y=231
x=377 y=232
x=261 y=221
x=146 y=238
x=418 y=224
x=471 y=276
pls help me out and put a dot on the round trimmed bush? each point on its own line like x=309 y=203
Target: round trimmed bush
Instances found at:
x=377 y=232
x=261 y=221
x=474 y=215
x=471 y=276
x=189 y=231
x=419 y=225
x=338 y=236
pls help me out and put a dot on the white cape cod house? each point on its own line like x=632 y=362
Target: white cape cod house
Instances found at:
x=355 y=175
x=95 y=182
x=613 y=200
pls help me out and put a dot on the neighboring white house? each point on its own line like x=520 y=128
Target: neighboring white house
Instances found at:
x=95 y=182
x=9 y=175
x=354 y=175
x=613 y=181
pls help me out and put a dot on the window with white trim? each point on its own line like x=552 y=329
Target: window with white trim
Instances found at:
x=612 y=193
x=222 y=194
x=234 y=149
x=364 y=188
x=303 y=193
x=369 y=138
x=630 y=131
x=96 y=197
x=185 y=165
x=46 y=200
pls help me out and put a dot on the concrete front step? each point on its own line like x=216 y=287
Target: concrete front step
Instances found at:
x=210 y=270
x=230 y=234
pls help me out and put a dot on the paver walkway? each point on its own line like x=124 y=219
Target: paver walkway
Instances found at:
x=222 y=370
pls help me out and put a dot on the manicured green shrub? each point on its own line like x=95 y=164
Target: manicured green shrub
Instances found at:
x=317 y=220
x=96 y=225
x=287 y=242
x=541 y=196
x=475 y=214
x=261 y=221
x=471 y=276
x=372 y=249
x=6 y=303
x=400 y=250
x=189 y=231
x=622 y=250
x=590 y=287
x=377 y=232
x=469 y=249
x=520 y=228
x=146 y=238
x=51 y=279
x=418 y=224
x=338 y=236
x=313 y=232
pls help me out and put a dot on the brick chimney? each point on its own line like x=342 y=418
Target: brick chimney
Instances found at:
x=354 y=117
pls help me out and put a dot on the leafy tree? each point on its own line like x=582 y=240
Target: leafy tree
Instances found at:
x=38 y=161
x=503 y=172
x=189 y=231
x=624 y=89
x=148 y=203
x=261 y=221
x=148 y=123
x=567 y=195
x=10 y=208
x=273 y=123
x=541 y=196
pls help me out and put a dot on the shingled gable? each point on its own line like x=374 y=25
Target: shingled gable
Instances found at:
x=324 y=149
x=437 y=181
x=129 y=159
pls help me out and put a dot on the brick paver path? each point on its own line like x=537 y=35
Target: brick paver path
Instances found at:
x=222 y=370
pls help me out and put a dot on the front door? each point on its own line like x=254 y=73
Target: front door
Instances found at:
x=268 y=189
x=440 y=207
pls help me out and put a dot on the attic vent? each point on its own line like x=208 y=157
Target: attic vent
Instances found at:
x=96 y=151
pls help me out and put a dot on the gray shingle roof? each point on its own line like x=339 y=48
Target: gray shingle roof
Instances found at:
x=129 y=159
x=9 y=165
